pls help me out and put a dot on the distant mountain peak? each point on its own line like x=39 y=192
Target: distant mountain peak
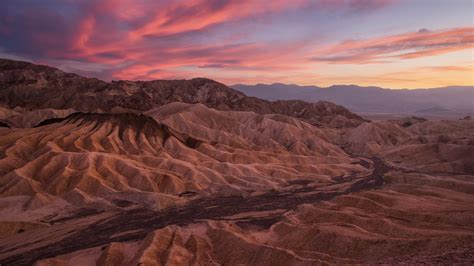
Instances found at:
x=456 y=100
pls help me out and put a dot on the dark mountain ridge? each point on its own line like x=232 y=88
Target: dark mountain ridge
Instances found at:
x=31 y=87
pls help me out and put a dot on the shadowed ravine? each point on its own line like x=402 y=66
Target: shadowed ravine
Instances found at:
x=136 y=224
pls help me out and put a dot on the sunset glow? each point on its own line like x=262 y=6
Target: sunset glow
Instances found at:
x=388 y=43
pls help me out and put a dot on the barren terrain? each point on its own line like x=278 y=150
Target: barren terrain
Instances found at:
x=193 y=172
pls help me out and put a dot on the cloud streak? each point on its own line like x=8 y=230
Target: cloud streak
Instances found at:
x=403 y=46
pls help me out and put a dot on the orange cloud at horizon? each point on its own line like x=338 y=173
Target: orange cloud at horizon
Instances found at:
x=415 y=78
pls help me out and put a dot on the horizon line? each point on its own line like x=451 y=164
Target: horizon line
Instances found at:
x=236 y=84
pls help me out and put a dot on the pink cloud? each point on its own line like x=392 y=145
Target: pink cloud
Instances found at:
x=403 y=46
x=354 y=4
x=157 y=19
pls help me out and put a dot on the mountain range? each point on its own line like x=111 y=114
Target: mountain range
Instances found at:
x=447 y=101
x=29 y=86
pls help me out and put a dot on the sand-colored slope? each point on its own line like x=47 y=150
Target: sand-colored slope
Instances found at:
x=278 y=133
x=111 y=161
x=402 y=223
x=35 y=117
x=427 y=146
x=371 y=138
x=6 y=112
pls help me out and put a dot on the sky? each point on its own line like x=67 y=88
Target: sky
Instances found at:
x=387 y=43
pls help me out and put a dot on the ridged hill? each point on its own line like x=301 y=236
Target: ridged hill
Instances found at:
x=92 y=159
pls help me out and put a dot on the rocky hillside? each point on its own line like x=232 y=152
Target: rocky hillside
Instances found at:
x=34 y=87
